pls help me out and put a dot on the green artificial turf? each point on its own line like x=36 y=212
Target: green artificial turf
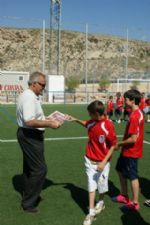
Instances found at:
x=65 y=191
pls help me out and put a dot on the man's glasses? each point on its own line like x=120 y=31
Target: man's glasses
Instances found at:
x=42 y=85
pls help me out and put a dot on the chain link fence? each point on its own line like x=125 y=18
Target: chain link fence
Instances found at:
x=90 y=52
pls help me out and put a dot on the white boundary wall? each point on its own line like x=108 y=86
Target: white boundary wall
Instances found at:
x=55 y=87
x=124 y=84
x=12 y=83
x=13 y=80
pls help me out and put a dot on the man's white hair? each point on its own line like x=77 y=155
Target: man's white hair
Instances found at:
x=34 y=77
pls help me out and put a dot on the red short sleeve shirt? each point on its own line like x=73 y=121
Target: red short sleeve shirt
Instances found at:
x=135 y=126
x=110 y=106
x=142 y=104
x=101 y=136
x=127 y=108
x=119 y=103
x=148 y=102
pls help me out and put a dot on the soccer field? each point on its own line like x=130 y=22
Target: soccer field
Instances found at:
x=65 y=192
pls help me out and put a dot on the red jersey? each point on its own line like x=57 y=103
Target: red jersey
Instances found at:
x=127 y=108
x=101 y=136
x=142 y=104
x=119 y=103
x=135 y=126
x=110 y=106
x=147 y=102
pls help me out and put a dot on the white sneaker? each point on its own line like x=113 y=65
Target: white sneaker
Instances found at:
x=89 y=219
x=99 y=207
x=119 y=121
x=148 y=121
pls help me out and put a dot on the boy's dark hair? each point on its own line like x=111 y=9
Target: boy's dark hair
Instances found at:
x=110 y=97
x=118 y=94
x=133 y=95
x=96 y=106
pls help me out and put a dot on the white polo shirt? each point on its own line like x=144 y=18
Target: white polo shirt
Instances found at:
x=29 y=108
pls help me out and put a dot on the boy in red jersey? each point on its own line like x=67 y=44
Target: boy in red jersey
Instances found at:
x=132 y=150
x=110 y=107
x=119 y=106
x=142 y=104
x=101 y=139
x=147 y=108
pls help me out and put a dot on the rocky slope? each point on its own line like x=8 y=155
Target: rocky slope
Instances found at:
x=21 y=50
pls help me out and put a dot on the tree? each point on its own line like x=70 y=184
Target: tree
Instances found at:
x=135 y=84
x=104 y=85
x=72 y=82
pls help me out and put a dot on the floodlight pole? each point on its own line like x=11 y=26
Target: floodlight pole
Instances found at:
x=86 y=61
x=55 y=36
x=59 y=39
x=127 y=51
x=43 y=43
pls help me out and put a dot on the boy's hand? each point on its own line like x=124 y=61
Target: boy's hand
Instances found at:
x=49 y=118
x=116 y=147
x=71 y=118
x=101 y=166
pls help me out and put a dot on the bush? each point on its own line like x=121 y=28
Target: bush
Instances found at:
x=72 y=83
x=135 y=84
x=104 y=85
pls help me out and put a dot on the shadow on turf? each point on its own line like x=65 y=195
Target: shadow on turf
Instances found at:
x=113 y=190
x=133 y=218
x=17 y=181
x=145 y=187
x=79 y=195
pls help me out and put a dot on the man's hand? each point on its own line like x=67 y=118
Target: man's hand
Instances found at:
x=53 y=124
x=50 y=123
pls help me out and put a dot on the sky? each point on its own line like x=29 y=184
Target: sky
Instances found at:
x=102 y=16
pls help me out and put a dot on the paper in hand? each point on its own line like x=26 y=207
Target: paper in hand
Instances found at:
x=60 y=117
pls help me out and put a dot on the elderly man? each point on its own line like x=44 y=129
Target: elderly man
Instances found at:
x=30 y=135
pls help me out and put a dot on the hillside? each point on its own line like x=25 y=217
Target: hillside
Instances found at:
x=21 y=50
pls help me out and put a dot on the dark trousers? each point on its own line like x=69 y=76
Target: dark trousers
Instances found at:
x=34 y=167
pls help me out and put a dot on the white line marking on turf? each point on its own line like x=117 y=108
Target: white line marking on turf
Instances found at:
x=58 y=139
x=47 y=139
x=147 y=142
x=6 y=141
x=51 y=139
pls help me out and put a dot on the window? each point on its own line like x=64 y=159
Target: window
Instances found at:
x=20 y=78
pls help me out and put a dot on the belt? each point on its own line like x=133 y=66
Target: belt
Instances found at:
x=94 y=162
x=32 y=130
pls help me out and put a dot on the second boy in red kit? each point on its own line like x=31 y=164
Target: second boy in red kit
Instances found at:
x=110 y=107
x=119 y=107
x=132 y=150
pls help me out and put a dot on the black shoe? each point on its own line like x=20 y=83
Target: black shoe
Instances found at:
x=31 y=210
